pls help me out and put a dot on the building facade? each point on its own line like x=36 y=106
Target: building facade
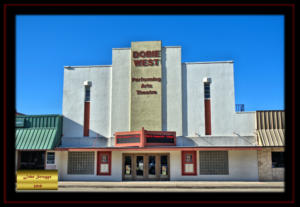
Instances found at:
x=148 y=116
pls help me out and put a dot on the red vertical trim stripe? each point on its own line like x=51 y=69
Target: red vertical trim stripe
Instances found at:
x=86 y=125
x=207 y=117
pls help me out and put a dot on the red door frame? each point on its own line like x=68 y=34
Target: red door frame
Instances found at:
x=194 y=161
x=99 y=162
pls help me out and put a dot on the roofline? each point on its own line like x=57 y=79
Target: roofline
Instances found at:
x=40 y=115
x=128 y=48
x=122 y=48
x=172 y=46
x=208 y=62
x=92 y=66
x=269 y=110
x=86 y=66
x=148 y=41
x=157 y=148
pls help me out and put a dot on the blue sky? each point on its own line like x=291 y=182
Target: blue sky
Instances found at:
x=46 y=43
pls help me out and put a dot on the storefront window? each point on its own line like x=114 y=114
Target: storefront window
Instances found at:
x=50 y=157
x=277 y=159
x=214 y=163
x=32 y=160
x=81 y=163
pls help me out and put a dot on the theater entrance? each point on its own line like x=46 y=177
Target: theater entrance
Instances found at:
x=144 y=166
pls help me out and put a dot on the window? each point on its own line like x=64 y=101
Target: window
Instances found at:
x=104 y=163
x=81 y=162
x=214 y=163
x=87 y=93
x=86 y=124
x=32 y=160
x=51 y=158
x=189 y=166
x=206 y=90
x=207 y=108
x=277 y=159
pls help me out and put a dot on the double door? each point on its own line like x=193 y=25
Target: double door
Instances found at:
x=154 y=166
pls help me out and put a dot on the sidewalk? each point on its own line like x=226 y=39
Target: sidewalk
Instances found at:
x=171 y=186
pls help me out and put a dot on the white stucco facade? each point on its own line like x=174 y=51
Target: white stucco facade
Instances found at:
x=183 y=110
x=242 y=166
x=183 y=92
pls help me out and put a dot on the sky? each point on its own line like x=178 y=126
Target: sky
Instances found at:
x=47 y=43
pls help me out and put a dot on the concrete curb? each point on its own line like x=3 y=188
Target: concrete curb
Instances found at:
x=167 y=185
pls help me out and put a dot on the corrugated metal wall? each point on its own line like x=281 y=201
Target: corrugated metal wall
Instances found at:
x=39 y=132
x=40 y=121
x=270 y=128
x=270 y=120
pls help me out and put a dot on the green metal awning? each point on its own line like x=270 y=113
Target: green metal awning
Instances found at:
x=41 y=132
x=35 y=138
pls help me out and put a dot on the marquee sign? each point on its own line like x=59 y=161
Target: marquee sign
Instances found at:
x=128 y=138
x=144 y=138
x=146 y=78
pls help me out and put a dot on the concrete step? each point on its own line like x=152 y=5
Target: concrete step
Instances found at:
x=166 y=190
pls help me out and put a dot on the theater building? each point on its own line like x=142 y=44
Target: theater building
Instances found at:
x=149 y=116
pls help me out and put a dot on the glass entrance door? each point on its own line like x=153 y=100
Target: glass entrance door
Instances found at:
x=139 y=168
x=154 y=166
x=164 y=166
x=127 y=167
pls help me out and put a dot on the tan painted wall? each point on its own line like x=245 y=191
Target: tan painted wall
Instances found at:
x=146 y=110
x=265 y=170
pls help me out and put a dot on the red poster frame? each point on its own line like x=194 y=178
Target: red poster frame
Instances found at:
x=99 y=162
x=183 y=162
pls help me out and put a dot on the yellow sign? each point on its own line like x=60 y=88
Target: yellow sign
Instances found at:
x=37 y=180
x=146 y=89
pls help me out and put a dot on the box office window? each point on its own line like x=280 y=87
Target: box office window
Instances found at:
x=189 y=164
x=277 y=159
x=214 y=163
x=51 y=158
x=104 y=163
x=81 y=162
